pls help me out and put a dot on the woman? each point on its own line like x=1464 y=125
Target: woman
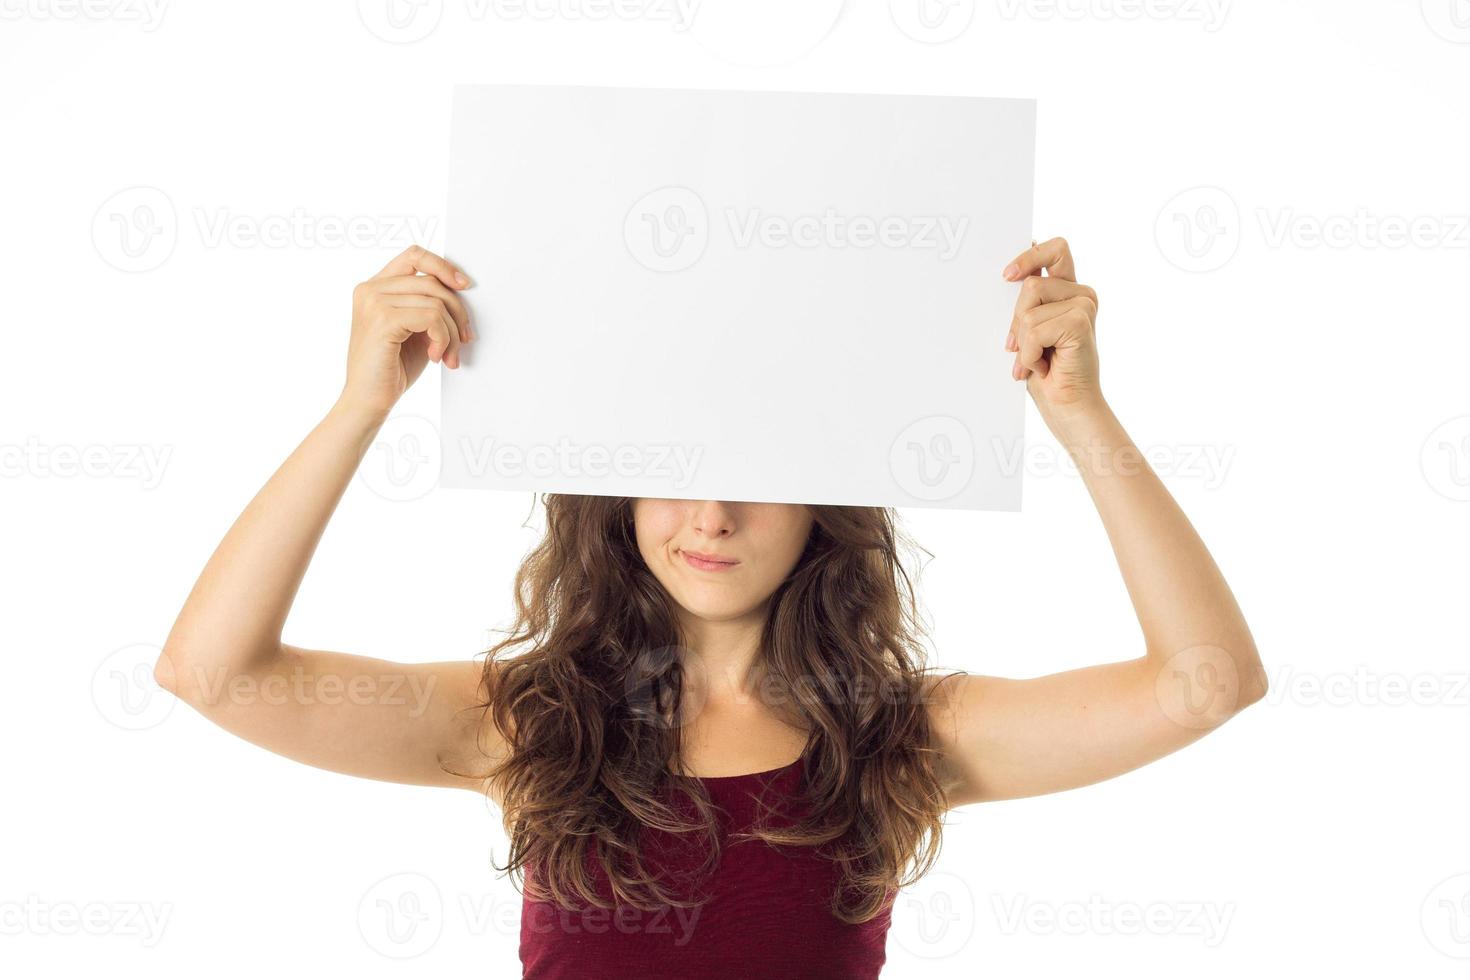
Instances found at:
x=710 y=731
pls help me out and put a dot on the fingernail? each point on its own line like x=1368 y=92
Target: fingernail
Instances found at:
x=462 y=279
x=1012 y=271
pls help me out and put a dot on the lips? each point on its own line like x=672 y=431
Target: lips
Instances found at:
x=708 y=563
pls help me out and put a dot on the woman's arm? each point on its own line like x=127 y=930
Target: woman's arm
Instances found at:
x=224 y=655
x=1011 y=738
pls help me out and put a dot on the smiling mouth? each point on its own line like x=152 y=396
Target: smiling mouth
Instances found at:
x=708 y=563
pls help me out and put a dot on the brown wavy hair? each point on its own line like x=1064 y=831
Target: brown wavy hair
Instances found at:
x=585 y=689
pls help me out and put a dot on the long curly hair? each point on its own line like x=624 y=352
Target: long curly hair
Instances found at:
x=586 y=690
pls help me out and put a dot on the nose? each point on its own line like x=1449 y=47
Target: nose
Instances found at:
x=713 y=518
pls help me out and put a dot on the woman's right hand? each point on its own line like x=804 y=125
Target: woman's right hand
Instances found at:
x=408 y=314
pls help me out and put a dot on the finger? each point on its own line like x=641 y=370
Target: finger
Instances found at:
x=1038 y=291
x=419 y=301
x=1044 y=322
x=398 y=286
x=416 y=258
x=1031 y=356
x=1055 y=256
x=407 y=322
x=1034 y=319
x=449 y=355
x=1048 y=328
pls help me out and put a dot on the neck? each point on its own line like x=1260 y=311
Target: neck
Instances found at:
x=724 y=656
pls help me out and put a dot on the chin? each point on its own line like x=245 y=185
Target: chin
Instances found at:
x=717 y=608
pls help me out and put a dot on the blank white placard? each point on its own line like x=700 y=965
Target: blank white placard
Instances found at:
x=755 y=296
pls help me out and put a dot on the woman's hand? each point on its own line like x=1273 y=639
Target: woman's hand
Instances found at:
x=1053 y=333
x=401 y=320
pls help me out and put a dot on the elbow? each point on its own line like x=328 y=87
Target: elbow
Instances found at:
x=165 y=671
x=1253 y=685
x=178 y=674
x=1202 y=687
x=204 y=680
x=1250 y=673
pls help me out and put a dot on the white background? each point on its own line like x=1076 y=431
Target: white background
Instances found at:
x=1307 y=401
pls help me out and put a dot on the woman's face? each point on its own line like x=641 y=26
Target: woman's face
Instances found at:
x=720 y=560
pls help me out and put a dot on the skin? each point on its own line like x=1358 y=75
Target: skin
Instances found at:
x=727 y=728
x=999 y=738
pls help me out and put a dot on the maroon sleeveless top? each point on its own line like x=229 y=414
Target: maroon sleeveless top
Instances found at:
x=767 y=916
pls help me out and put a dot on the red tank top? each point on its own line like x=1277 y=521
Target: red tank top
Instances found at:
x=767 y=917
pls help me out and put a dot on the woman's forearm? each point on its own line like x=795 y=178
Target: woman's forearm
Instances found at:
x=1180 y=596
x=235 y=613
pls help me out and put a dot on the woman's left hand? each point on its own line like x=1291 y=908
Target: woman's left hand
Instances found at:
x=1053 y=333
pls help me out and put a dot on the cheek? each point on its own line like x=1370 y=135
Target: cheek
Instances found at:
x=784 y=542
x=653 y=526
x=797 y=546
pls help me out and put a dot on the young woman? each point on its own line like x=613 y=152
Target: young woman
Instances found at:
x=711 y=732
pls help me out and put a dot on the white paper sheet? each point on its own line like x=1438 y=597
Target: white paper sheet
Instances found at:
x=759 y=296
